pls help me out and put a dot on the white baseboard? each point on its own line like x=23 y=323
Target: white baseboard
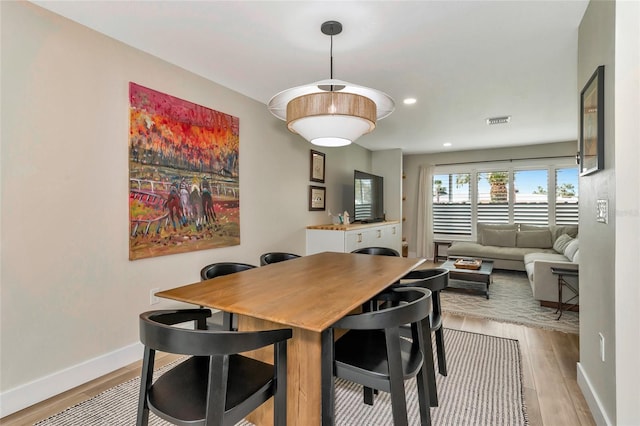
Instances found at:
x=43 y=388
x=597 y=410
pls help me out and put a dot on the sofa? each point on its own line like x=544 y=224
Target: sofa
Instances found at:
x=530 y=248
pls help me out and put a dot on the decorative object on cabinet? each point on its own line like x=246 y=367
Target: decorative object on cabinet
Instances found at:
x=316 y=198
x=317 y=166
x=592 y=124
x=176 y=188
x=331 y=112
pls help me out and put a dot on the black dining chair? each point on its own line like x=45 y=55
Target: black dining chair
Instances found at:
x=373 y=354
x=275 y=257
x=223 y=320
x=216 y=385
x=436 y=280
x=380 y=251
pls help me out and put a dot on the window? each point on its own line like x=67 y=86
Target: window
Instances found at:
x=452 y=204
x=493 y=197
x=567 y=196
x=526 y=192
x=532 y=197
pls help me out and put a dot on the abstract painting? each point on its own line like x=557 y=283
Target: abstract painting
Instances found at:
x=183 y=176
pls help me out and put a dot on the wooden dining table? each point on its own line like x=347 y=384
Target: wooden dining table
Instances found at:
x=308 y=295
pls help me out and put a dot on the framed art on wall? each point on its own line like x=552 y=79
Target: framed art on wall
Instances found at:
x=317 y=166
x=592 y=124
x=316 y=198
x=183 y=175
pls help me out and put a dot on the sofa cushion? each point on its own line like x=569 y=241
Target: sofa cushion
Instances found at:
x=499 y=237
x=469 y=249
x=561 y=243
x=540 y=238
x=547 y=257
x=571 y=249
x=481 y=227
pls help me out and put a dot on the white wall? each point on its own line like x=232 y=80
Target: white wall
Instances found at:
x=69 y=295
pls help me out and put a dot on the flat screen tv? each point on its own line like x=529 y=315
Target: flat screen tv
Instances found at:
x=368 y=200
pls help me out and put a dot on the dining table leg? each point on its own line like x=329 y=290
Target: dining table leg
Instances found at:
x=304 y=374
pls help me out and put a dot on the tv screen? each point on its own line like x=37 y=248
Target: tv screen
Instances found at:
x=368 y=197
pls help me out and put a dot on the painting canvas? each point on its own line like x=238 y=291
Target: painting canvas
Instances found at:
x=183 y=176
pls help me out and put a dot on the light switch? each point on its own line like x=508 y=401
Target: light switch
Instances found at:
x=602 y=211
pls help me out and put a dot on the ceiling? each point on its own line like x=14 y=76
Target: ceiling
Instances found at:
x=464 y=61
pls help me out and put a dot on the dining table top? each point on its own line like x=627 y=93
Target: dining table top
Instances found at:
x=310 y=292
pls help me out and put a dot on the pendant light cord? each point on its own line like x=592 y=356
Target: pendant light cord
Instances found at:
x=331 y=60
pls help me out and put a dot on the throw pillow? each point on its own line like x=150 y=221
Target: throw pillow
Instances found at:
x=571 y=250
x=561 y=243
x=537 y=239
x=499 y=237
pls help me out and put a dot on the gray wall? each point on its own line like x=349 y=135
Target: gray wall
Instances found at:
x=609 y=295
x=596 y=46
x=69 y=293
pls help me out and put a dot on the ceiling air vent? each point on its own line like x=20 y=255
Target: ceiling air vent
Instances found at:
x=498 y=120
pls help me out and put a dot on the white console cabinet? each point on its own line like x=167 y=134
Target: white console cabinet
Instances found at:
x=347 y=238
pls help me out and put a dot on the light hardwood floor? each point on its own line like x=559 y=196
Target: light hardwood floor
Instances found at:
x=549 y=362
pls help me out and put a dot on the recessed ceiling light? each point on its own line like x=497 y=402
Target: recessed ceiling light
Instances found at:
x=446 y=144
x=498 y=120
x=410 y=101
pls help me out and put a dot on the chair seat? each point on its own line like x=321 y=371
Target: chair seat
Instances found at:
x=247 y=377
x=363 y=352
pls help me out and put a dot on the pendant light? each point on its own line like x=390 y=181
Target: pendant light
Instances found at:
x=331 y=112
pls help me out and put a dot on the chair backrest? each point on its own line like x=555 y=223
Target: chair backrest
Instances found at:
x=381 y=251
x=275 y=257
x=400 y=306
x=216 y=385
x=157 y=333
x=223 y=268
x=435 y=279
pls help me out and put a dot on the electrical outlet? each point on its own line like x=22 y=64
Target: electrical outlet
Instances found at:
x=153 y=299
x=601 y=346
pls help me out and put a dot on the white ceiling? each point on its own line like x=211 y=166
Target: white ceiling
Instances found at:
x=464 y=61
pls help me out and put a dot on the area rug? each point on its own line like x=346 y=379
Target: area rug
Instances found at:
x=484 y=387
x=511 y=300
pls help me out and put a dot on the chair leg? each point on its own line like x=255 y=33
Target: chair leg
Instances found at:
x=442 y=361
x=328 y=382
x=145 y=383
x=280 y=397
x=367 y=395
x=396 y=378
x=426 y=346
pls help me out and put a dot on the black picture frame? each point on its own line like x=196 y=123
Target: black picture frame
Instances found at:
x=316 y=166
x=317 y=198
x=592 y=124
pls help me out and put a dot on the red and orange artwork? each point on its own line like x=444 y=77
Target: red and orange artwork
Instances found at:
x=183 y=176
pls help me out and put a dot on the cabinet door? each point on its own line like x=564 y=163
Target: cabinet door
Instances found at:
x=355 y=240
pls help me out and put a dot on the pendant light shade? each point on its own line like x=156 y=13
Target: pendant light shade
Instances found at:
x=331 y=112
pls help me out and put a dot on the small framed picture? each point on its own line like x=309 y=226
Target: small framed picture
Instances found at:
x=317 y=166
x=592 y=124
x=316 y=198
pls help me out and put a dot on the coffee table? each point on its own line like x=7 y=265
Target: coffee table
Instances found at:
x=482 y=275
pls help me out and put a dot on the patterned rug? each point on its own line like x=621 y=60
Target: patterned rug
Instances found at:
x=511 y=300
x=484 y=387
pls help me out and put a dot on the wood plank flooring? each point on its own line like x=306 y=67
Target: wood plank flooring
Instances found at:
x=549 y=362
